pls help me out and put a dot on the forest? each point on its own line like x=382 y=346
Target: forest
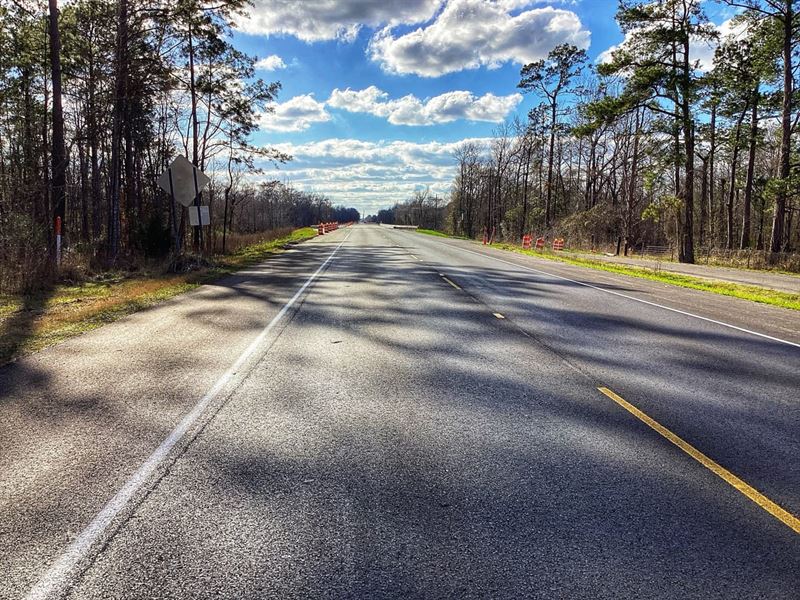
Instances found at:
x=96 y=99
x=646 y=147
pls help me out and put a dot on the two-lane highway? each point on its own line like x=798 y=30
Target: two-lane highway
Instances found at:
x=380 y=413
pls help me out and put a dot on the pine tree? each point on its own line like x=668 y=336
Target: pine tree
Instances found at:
x=662 y=77
x=552 y=78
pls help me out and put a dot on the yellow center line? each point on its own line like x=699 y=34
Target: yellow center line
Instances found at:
x=450 y=282
x=753 y=494
x=414 y=257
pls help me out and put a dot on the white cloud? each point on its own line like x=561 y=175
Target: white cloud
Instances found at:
x=270 y=63
x=469 y=34
x=318 y=20
x=370 y=100
x=296 y=114
x=607 y=55
x=700 y=51
x=372 y=175
x=300 y=112
x=410 y=110
x=703 y=50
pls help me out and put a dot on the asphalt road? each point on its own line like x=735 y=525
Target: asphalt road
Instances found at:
x=380 y=413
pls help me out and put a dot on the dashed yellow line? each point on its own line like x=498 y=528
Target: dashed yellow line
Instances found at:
x=753 y=494
x=498 y=315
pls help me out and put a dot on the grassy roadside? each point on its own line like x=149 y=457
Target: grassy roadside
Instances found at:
x=30 y=323
x=440 y=234
x=736 y=290
x=745 y=292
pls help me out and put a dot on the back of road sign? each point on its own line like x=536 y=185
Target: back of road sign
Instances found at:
x=183 y=186
x=205 y=219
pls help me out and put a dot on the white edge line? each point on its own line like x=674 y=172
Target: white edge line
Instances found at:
x=594 y=287
x=56 y=578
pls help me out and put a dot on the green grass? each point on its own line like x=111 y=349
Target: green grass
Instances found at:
x=32 y=322
x=440 y=234
x=735 y=290
x=746 y=292
x=257 y=252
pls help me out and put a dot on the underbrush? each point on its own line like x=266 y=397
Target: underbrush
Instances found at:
x=237 y=241
x=81 y=300
x=437 y=233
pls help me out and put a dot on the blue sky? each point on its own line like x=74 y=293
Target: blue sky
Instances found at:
x=377 y=94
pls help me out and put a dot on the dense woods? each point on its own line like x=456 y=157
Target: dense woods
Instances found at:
x=423 y=209
x=96 y=100
x=646 y=147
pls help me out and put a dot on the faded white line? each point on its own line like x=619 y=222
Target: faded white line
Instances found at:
x=56 y=579
x=594 y=287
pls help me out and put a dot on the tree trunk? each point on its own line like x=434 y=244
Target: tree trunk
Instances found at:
x=549 y=197
x=732 y=190
x=193 y=92
x=92 y=131
x=686 y=254
x=526 y=174
x=59 y=151
x=711 y=176
x=631 y=203
x=751 y=161
x=776 y=243
x=703 y=201
x=121 y=67
x=131 y=217
x=85 y=192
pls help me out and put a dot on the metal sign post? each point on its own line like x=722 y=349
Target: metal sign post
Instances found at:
x=174 y=207
x=199 y=218
x=58 y=241
x=184 y=182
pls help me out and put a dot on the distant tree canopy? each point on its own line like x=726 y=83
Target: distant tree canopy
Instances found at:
x=650 y=148
x=423 y=209
x=96 y=99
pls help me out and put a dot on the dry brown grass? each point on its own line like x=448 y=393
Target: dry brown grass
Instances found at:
x=29 y=322
x=237 y=241
x=34 y=321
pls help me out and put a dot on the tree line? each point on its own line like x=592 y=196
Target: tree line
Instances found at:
x=249 y=208
x=96 y=99
x=273 y=205
x=423 y=209
x=647 y=148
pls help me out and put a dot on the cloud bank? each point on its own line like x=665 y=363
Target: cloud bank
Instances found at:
x=451 y=36
x=469 y=34
x=372 y=175
x=301 y=112
x=410 y=110
x=320 y=20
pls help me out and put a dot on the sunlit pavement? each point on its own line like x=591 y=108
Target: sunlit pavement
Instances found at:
x=423 y=419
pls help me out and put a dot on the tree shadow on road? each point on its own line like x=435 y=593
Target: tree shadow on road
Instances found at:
x=19 y=326
x=454 y=456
